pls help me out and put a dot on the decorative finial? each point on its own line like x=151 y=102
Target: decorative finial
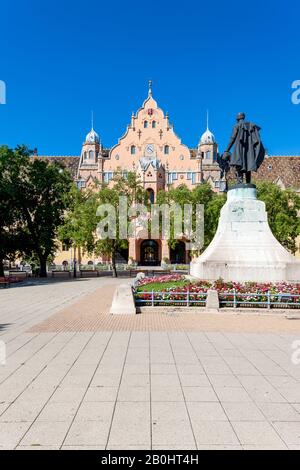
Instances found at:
x=92 y=119
x=150 y=88
x=207 y=116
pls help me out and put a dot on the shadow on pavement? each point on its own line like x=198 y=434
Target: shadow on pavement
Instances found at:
x=30 y=282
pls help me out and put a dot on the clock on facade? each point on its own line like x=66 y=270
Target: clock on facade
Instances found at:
x=149 y=150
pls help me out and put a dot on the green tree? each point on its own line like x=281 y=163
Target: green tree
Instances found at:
x=109 y=246
x=13 y=236
x=131 y=187
x=201 y=194
x=42 y=197
x=79 y=223
x=282 y=207
x=81 y=220
x=33 y=198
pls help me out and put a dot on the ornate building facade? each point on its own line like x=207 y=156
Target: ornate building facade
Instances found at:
x=151 y=149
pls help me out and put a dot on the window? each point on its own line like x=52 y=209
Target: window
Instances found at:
x=153 y=124
x=91 y=155
x=172 y=177
x=65 y=247
x=85 y=155
x=208 y=155
x=166 y=150
x=151 y=196
x=194 y=175
x=107 y=176
x=145 y=124
x=80 y=184
x=132 y=150
x=189 y=175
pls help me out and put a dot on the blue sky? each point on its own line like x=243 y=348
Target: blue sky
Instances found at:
x=60 y=59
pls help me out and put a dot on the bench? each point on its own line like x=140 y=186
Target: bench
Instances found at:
x=4 y=282
x=18 y=274
x=55 y=271
x=89 y=271
x=148 y=272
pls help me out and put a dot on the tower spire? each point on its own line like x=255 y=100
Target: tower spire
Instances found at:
x=150 y=88
x=207 y=117
x=92 y=119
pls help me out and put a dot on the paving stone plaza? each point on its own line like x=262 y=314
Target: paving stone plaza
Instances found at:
x=76 y=378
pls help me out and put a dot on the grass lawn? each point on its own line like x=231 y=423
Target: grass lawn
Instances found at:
x=159 y=286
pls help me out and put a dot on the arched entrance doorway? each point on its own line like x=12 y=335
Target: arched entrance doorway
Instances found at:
x=149 y=253
x=177 y=254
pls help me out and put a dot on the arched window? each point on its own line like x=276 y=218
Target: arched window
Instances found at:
x=91 y=155
x=145 y=124
x=132 y=150
x=153 y=124
x=65 y=265
x=150 y=193
x=166 y=150
x=84 y=155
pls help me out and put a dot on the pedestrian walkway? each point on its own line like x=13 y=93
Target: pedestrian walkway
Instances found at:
x=94 y=388
x=91 y=313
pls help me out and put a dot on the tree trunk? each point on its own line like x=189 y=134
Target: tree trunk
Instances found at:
x=113 y=264
x=43 y=267
x=74 y=263
x=1 y=268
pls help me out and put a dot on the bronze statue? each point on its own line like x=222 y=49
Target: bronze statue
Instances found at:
x=248 y=153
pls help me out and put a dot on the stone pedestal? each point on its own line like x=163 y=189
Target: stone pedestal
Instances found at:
x=123 y=302
x=244 y=248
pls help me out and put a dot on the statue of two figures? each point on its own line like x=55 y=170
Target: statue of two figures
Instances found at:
x=248 y=152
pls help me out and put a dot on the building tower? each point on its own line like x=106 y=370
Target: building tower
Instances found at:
x=90 y=158
x=207 y=147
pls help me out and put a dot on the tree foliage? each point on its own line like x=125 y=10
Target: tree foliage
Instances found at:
x=80 y=226
x=12 y=233
x=283 y=208
x=201 y=194
x=34 y=197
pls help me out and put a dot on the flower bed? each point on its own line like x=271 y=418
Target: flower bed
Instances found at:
x=175 y=289
x=170 y=289
x=161 y=279
x=258 y=295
